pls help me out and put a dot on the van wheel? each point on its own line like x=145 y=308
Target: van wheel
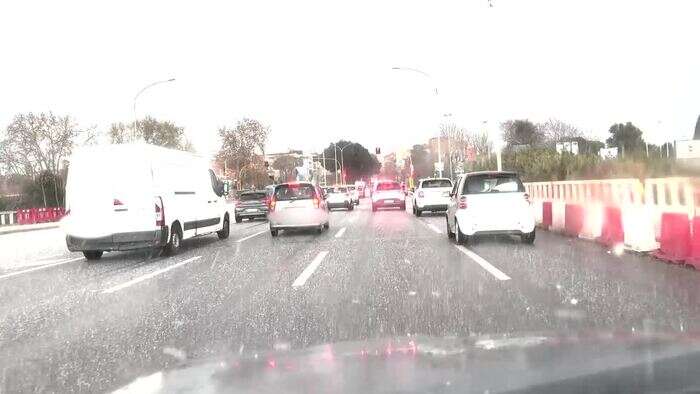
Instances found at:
x=274 y=232
x=239 y=219
x=223 y=233
x=528 y=238
x=92 y=254
x=173 y=246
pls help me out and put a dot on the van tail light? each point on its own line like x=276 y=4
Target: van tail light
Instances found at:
x=462 y=202
x=317 y=202
x=527 y=198
x=421 y=194
x=160 y=212
x=273 y=202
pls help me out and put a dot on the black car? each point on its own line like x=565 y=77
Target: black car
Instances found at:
x=251 y=204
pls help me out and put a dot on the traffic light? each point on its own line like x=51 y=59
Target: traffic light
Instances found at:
x=377 y=151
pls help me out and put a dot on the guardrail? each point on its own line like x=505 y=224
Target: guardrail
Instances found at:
x=8 y=218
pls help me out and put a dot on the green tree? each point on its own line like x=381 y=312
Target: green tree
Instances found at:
x=628 y=138
x=521 y=132
x=422 y=165
x=152 y=131
x=356 y=160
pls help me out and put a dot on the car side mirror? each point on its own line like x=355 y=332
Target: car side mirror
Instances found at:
x=452 y=194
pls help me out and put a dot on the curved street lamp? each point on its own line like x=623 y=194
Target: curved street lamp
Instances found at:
x=144 y=89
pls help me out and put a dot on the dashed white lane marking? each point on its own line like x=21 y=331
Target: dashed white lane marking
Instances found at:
x=340 y=233
x=309 y=270
x=251 y=236
x=431 y=226
x=40 y=267
x=148 y=276
x=483 y=263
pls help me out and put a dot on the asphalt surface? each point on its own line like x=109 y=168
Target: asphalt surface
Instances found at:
x=71 y=325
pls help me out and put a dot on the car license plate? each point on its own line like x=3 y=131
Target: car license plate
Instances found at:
x=251 y=210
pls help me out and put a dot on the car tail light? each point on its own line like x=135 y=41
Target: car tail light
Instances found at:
x=462 y=202
x=317 y=202
x=160 y=212
x=527 y=198
x=421 y=194
x=273 y=202
x=116 y=202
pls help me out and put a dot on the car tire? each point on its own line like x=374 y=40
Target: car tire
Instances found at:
x=238 y=219
x=374 y=208
x=327 y=225
x=274 y=232
x=351 y=207
x=418 y=212
x=225 y=230
x=460 y=237
x=173 y=245
x=528 y=238
x=403 y=206
x=92 y=254
x=450 y=234
x=319 y=230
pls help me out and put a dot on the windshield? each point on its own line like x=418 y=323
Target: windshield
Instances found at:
x=430 y=183
x=489 y=180
x=385 y=186
x=492 y=184
x=294 y=192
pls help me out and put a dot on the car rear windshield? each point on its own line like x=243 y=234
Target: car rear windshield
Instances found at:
x=436 y=183
x=351 y=187
x=340 y=190
x=294 y=192
x=495 y=183
x=388 y=186
x=252 y=196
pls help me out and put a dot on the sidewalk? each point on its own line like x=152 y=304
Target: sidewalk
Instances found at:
x=18 y=228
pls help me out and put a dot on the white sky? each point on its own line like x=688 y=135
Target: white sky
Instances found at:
x=316 y=71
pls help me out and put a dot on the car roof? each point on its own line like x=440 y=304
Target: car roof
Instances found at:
x=511 y=173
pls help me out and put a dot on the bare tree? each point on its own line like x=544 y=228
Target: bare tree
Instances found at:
x=555 y=130
x=243 y=145
x=152 y=131
x=36 y=145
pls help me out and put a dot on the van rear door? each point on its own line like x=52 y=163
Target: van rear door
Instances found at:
x=108 y=195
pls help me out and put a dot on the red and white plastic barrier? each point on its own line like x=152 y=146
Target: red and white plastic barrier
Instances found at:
x=657 y=214
x=39 y=215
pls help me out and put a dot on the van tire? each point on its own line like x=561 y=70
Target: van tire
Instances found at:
x=173 y=245
x=528 y=238
x=92 y=254
x=238 y=219
x=223 y=233
x=274 y=232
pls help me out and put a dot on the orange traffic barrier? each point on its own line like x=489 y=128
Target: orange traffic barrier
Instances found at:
x=612 y=233
x=694 y=258
x=675 y=238
x=546 y=215
x=573 y=219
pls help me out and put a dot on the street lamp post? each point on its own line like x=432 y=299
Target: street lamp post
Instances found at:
x=143 y=90
x=335 y=152
x=423 y=73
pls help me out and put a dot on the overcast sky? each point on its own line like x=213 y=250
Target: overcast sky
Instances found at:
x=316 y=71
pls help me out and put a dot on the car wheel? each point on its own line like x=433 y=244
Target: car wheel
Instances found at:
x=374 y=208
x=223 y=233
x=274 y=232
x=450 y=234
x=92 y=254
x=319 y=230
x=418 y=212
x=327 y=225
x=403 y=206
x=239 y=219
x=351 y=207
x=460 y=238
x=528 y=238
x=173 y=245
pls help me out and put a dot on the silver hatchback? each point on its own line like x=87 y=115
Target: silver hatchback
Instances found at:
x=297 y=205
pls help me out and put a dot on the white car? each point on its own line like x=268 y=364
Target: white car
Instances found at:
x=339 y=197
x=154 y=199
x=431 y=195
x=388 y=194
x=297 y=205
x=490 y=202
x=354 y=194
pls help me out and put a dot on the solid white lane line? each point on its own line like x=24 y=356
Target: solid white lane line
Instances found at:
x=483 y=263
x=432 y=227
x=148 y=276
x=40 y=267
x=340 y=233
x=251 y=236
x=309 y=270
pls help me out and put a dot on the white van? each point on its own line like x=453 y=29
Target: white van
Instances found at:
x=132 y=196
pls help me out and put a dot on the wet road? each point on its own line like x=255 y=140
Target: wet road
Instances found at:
x=70 y=325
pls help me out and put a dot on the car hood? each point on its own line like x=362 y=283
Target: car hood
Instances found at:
x=532 y=362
